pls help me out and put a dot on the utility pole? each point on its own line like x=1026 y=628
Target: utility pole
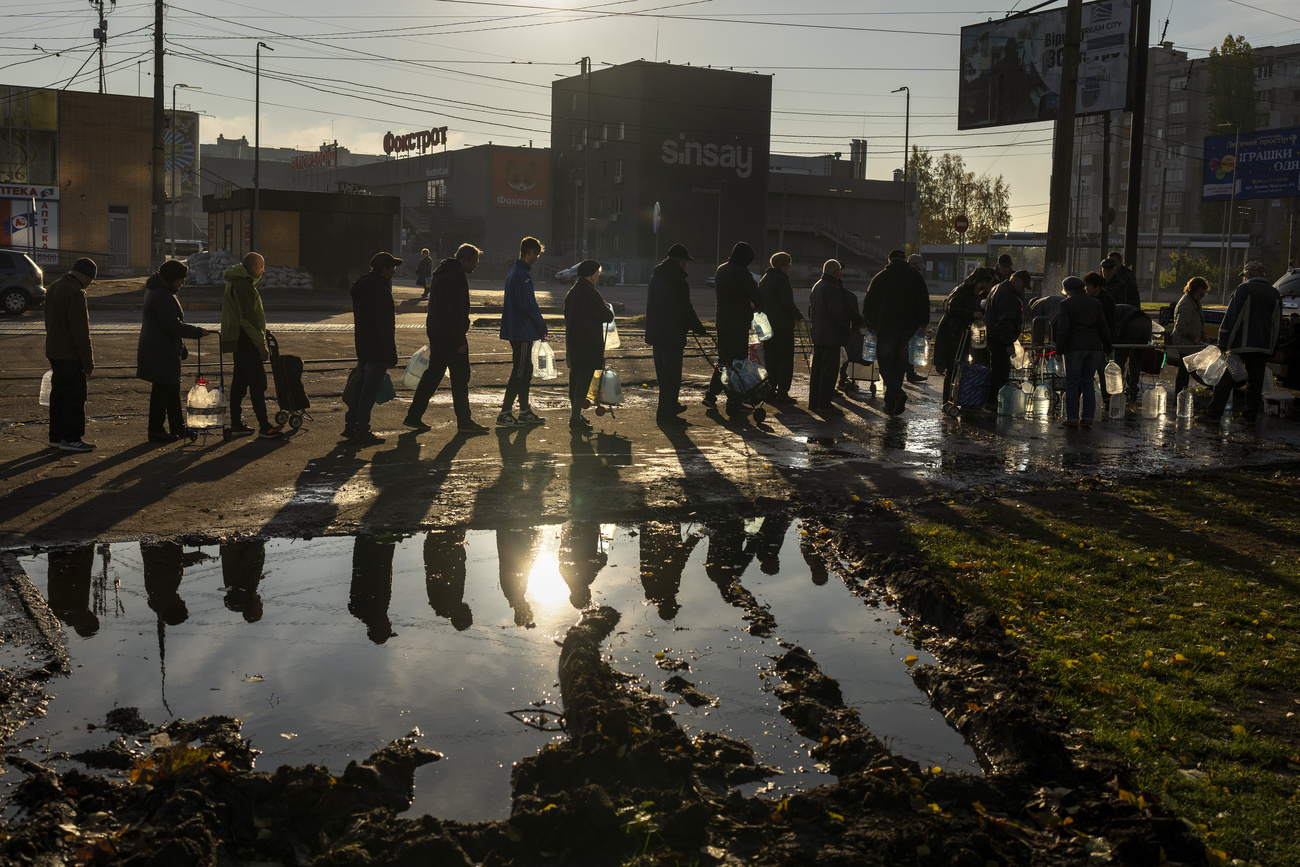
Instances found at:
x=158 y=228
x=1105 y=186
x=585 y=64
x=1160 y=233
x=101 y=36
x=1137 y=141
x=1058 y=218
x=255 y=229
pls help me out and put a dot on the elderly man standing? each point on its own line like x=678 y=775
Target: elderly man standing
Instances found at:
x=830 y=312
x=896 y=307
x=1250 y=330
x=243 y=333
x=374 y=329
x=67 y=346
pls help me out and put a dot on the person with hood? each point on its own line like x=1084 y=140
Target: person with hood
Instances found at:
x=447 y=325
x=669 y=317
x=71 y=357
x=738 y=298
x=585 y=315
x=962 y=310
x=1005 y=313
x=423 y=271
x=521 y=324
x=830 y=312
x=1250 y=329
x=243 y=334
x=1083 y=337
x=374 y=334
x=896 y=307
x=161 y=348
x=782 y=314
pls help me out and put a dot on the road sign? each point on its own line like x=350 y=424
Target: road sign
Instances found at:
x=961 y=224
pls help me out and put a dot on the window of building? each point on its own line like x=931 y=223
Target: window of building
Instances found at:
x=600 y=206
x=618 y=168
x=1177 y=175
x=604 y=170
x=618 y=242
x=1264 y=69
x=618 y=204
x=1178 y=83
x=1177 y=130
x=1174 y=199
x=436 y=191
x=604 y=133
x=621 y=130
x=1123 y=164
x=1085 y=160
x=1263 y=96
x=1171 y=220
x=1123 y=186
x=29 y=152
x=1178 y=107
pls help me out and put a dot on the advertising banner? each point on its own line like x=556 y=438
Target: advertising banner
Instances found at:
x=29 y=221
x=1011 y=69
x=181 y=154
x=1264 y=165
x=519 y=179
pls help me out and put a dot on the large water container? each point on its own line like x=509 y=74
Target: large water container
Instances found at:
x=1151 y=402
x=869 y=347
x=1098 y=402
x=760 y=328
x=978 y=336
x=1042 y=401
x=1162 y=394
x=1114 y=378
x=1027 y=399
x=1009 y=399
x=1215 y=371
x=1056 y=364
x=205 y=407
x=1117 y=405
x=47 y=385
x=1186 y=404
x=918 y=351
x=1236 y=367
x=543 y=360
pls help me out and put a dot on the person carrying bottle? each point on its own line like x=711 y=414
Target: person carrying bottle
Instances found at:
x=782 y=314
x=585 y=315
x=1250 y=329
x=897 y=306
x=1083 y=338
x=1188 y=334
x=161 y=349
x=738 y=297
x=243 y=334
x=1005 y=314
x=962 y=310
x=521 y=324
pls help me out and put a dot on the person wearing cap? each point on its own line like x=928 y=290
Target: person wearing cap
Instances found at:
x=896 y=307
x=72 y=359
x=1083 y=338
x=447 y=325
x=1120 y=282
x=669 y=317
x=374 y=328
x=1005 y=314
x=782 y=314
x=521 y=324
x=1004 y=269
x=737 y=299
x=1250 y=329
x=585 y=315
x=161 y=348
x=243 y=334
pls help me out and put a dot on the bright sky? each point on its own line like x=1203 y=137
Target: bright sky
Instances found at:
x=484 y=68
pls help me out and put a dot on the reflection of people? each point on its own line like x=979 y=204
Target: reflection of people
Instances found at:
x=69 y=593
x=768 y=542
x=242 y=565
x=585 y=315
x=663 y=558
x=816 y=565
x=372 y=586
x=515 y=550
x=164 y=565
x=727 y=558
x=580 y=560
x=444 y=576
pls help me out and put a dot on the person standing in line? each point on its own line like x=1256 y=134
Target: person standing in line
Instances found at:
x=960 y=311
x=521 y=324
x=896 y=307
x=1005 y=314
x=1083 y=337
x=738 y=298
x=917 y=263
x=782 y=314
x=161 y=348
x=669 y=316
x=68 y=348
x=829 y=313
x=423 y=271
x=1120 y=282
x=374 y=332
x=1189 y=329
x=585 y=315
x=447 y=325
x=1003 y=268
x=243 y=334
x=1250 y=329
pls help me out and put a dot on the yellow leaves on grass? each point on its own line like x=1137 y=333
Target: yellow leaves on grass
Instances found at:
x=1239 y=731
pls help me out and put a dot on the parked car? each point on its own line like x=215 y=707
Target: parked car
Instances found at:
x=608 y=274
x=567 y=275
x=709 y=280
x=1288 y=286
x=21 y=282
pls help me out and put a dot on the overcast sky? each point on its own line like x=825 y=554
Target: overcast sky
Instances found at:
x=352 y=72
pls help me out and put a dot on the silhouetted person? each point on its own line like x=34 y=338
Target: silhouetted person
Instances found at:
x=243 y=562
x=727 y=558
x=444 y=576
x=69 y=593
x=816 y=565
x=580 y=560
x=515 y=551
x=663 y=559
x=164 y=566
x=767 y=545
x=372 y=586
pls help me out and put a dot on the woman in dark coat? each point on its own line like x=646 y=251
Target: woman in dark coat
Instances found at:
x=960 y=311
x=158 y=356
x=585 y=315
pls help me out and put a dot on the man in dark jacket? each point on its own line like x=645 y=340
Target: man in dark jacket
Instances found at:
x=447 y=325
x=1005 y=314
x=1250 y=330
x=1120 y=282
x=374 y=334
x=897 y=306
x=423 y=271
x=669 y=317
x=738 y=298
x=830 y=315
x=160 y=350
x=1083 y=338
x=67 y=346
x=782 y=314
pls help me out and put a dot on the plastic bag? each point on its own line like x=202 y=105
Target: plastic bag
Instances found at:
x=386 y=391
x=47 y=385
x=1020 y=360
x=416 y=367
x=760 y=328
x=543 y=360
x=611 y=392
x=611 y=332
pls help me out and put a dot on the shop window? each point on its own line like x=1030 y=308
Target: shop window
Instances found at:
x=437 y=192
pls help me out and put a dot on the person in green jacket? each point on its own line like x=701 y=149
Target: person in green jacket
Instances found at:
x=243 y=334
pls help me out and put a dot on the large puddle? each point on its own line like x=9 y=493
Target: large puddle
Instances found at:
x=330 y=648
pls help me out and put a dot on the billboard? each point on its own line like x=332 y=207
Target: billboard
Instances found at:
x=519 y=179
x=29 y=221
x=1263 y=165
x=1011 y=69
x=181 y=154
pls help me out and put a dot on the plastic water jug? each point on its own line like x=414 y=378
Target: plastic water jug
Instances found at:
x=1162 y=394
x=1117 y=405
x=1236 y=367
x=978 y=336
x=918 y=351
x=1215 y=371
x=416 y=367
x=1056 y=364
x=47 y=384
x=1198 y=361
x=1151 y=402
x=760 y=329
x=1042 y=401
x=543 y=360
x=205 y=408
x=1114 y=378
x=611 y=332
x=1008 y=399
x=1186 y=404
x=1098 y=402
x=869 y=347
x=1027 y=399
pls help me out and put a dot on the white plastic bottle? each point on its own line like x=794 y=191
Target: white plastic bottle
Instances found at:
x=1117 y=405
x=1186 y=404
x=1008 y=399
x=47 y=385
x=1042 y=401
x=869 y=347
x=1114 y=378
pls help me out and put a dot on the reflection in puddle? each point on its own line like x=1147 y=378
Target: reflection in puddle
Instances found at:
x=328 y=649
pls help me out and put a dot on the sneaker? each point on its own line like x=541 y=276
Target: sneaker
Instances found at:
x=54 y=444
x=527 y=416
x=366 y=438
x=580 y=425
x=469 y=426
x=269 y=433
x=416 y=423
x=709 y=400
x=240 y=429
x=76 y=446
x=162 y=437
x=507 y=419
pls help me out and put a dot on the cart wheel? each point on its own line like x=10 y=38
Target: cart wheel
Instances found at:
x=194 y=435
x=586 y=403
x=872 y=390
x=951 y=410
x=600 y=410
x=225 y=434
x=295 y=421
x=281 y=417
x=759 y=415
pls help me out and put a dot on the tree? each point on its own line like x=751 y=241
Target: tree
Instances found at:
x=1183 y=266
x=1230 y=87
x=945 y=190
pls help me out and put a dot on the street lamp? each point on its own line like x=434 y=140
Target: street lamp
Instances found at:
x=1224 y=256
x=173 y=171
x=257 y=141
x=907 y=124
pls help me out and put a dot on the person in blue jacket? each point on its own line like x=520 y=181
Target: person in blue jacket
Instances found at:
x=521 y=324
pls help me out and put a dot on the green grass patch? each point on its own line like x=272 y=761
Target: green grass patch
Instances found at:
x=1163 y=619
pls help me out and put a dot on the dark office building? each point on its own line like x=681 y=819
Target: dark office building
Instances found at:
x=693 y=140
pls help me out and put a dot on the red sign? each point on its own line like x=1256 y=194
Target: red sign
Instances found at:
x=415 y=141
x=961 y=224
x=326 y=157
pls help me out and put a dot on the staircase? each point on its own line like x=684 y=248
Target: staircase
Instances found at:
x=874 y=253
